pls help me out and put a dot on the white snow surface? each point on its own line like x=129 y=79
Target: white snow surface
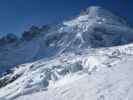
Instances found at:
x=86 y=58
x=87 y=75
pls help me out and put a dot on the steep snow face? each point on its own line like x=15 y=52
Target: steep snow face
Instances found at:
x=98 y=28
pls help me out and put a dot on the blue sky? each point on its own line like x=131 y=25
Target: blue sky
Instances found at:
x=18 y=15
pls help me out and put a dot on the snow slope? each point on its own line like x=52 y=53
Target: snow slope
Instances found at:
x=107 y=84
x=86 y=58
x=65 y=71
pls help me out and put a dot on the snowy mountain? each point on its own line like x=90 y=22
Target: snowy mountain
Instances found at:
x=85 y=58
x=97 y=28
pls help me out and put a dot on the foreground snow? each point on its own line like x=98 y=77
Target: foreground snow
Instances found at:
x=114 y=83
x=86 y=75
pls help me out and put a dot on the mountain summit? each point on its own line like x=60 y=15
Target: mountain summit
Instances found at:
x=98 y=28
